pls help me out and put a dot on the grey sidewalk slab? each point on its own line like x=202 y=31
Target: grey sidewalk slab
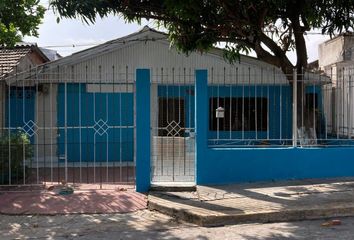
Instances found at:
x=260 y=202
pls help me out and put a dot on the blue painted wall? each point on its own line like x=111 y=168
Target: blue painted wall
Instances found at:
x=279 y=99
x=116 y=109
x=280 y=108
x=22 y=108
x=222 y=166
x=232 y=165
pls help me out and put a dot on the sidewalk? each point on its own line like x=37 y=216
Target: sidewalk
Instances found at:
x=261 y=202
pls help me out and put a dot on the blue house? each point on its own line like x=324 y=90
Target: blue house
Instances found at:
x=134 y=110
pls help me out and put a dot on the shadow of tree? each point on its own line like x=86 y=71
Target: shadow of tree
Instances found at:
x=139 y=225
x=257 y=202
x=303 y=230
x=288 y=193
x=105 y=201
x=110 y=213
x=148 y=225
x=145 y=224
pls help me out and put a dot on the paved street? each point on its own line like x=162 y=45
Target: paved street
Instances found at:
x=151 y=225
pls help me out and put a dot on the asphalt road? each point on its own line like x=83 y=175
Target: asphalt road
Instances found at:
x=152 y=225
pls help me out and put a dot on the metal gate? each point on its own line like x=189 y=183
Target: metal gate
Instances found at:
x=68 y=125
x=172 y=130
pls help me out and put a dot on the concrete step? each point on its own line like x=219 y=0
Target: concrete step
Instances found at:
x=200 y=215
x=258 y=202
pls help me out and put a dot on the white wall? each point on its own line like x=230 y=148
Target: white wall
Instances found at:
x=46 y=119
x=339 y=100
x=336 y=58
x=331 y=52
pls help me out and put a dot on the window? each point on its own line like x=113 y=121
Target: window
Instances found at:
x=171 y=117
x=311 y=101
x=21 y=92
x=241 y=114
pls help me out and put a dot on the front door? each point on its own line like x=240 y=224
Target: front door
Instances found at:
x=173 y=135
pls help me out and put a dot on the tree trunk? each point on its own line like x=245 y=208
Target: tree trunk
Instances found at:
x=306 y=113
x=305 y=123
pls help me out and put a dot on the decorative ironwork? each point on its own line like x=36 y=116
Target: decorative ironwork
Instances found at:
x=173 y=129
x=101 y=127
x=30 y=128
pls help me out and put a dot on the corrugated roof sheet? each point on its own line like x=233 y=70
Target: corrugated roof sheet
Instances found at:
x=10 y=58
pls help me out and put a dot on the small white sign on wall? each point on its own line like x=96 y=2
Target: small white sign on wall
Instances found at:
x=220 y=112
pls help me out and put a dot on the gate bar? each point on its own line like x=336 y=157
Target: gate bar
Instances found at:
x=294 y=108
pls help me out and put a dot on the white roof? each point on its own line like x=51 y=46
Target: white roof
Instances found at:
x=145 y=34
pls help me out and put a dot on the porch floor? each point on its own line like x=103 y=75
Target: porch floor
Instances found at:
x=258 y=202
x=86 y=198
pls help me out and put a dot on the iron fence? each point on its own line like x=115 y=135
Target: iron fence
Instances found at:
x=76 y=124
x=68 y=125
x=172 y=108
x=336 y=126
x=249 y=108
x=267 y=108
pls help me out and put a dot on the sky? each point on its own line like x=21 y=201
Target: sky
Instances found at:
x=72 y=35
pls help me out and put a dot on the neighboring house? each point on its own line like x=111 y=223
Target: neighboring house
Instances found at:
x=138 y=100
x=52 y=55
x=336 y=53
x=336 y=60
x=313 y=66
x=22 y=57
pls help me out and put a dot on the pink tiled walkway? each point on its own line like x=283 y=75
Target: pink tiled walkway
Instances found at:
x=49 y=202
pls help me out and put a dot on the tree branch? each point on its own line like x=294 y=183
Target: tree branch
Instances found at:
x=301 y=52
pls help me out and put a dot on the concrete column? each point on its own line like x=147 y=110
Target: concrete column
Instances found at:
x=143 y=138
x=201 y=121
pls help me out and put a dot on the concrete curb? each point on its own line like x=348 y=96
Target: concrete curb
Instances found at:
x=202 y=218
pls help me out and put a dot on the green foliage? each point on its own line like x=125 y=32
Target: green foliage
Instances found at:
x=14 y=150
x=19 y=18
x=232 y=52
x=269 y=27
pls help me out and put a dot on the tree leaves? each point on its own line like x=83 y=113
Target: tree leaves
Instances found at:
x=270 y=27
x=19 y=18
